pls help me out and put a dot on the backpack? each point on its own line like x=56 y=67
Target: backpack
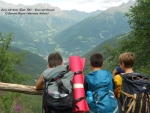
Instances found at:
x=104 y=101
x=134 y=97
x=62 y=102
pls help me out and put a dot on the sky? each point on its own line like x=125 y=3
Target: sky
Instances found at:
x=81 y=5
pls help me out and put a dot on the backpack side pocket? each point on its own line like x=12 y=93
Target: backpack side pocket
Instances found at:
x=114 y=102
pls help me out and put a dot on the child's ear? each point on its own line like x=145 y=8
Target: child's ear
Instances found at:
x=48 y=66
x=90 y=63
x=102 y=63
x=122 y=64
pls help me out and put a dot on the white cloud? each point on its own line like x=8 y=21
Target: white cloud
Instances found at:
x=85 y=1
x=81 y=5
x=25 y=2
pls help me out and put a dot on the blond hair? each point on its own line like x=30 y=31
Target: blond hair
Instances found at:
x=128 y=58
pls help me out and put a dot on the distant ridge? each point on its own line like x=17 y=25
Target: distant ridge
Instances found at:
x=88 y=33
x=68 y=32
x=31 y=32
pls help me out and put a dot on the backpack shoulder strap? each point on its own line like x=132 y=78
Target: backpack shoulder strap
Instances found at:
x=61 y=87
x=122 y=74
x=59 y=83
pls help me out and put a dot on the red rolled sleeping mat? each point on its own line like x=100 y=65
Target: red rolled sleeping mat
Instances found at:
x=77 y=66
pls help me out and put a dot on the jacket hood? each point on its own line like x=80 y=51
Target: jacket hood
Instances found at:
x=50 y=72
x=66 y=79
x=98 y=79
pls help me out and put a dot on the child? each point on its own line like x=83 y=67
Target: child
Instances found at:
x=55 y=67
x=100 y=83
x=126 y=61
x=54 y=60
x=117 y=71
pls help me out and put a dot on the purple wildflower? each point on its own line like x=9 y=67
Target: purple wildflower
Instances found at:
x=18 y=108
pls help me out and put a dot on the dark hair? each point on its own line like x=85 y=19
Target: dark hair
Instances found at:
x=54 y=59
x=96 y=59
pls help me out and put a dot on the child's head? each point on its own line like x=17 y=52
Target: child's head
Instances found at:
x=128 y=59
x=96 y=60
x=54 y=59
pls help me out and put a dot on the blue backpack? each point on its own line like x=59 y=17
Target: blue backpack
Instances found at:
x=104 y=101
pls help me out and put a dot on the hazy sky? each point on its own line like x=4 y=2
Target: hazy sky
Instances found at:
x=81 y=5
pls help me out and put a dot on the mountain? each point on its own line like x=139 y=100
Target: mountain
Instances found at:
x=32 y=64
x=80 y=15
x=88 y=33
x=22 y=38
x=33 y=31
x=100 y=48
x=20 y=34
x=42 y=16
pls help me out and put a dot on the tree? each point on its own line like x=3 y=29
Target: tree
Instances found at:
x=11 y=102
x=138 y=40
x=9 y=60
x=139 y=20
